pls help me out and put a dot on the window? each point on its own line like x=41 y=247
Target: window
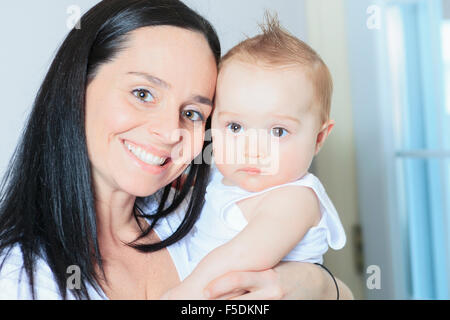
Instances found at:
x=445 y=39
x=418 y=48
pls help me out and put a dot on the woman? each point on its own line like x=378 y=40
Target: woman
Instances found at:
x=127 y=98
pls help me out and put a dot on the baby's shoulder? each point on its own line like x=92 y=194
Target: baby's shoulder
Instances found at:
x=295 y=200
x=292 y=194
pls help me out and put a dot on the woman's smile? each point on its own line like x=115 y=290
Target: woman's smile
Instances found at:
x=146 y=157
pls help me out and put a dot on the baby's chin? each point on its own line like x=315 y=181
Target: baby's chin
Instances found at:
x=255 y=184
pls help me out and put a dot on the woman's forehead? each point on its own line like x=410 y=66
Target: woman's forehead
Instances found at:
x=179 y=57
x=167 y=40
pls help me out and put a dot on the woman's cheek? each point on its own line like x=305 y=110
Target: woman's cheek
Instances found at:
x=121 y=115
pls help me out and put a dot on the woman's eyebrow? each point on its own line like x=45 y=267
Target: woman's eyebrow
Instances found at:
x=152 y=79
x=203 y=100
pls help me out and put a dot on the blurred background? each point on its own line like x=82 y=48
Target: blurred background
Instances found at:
x=386 y=165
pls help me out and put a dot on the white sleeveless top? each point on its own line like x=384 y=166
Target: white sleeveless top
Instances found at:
x=221 y=220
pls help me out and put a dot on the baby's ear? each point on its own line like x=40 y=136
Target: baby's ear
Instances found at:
x=323 y=134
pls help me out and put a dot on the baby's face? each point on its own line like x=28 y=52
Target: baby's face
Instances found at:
x=264 y=125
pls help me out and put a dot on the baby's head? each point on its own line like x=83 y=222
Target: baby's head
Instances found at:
x=272 y=110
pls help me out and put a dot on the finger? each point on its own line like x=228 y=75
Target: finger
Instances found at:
x=229 y=284
x=232 y=295
x=235 y=281
x=271 y=293
x=165 y=296
x=254 y=295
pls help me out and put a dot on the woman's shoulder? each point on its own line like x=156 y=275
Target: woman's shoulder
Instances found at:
x=15 y=282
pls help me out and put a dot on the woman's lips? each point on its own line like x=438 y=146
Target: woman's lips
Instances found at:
x=150 y=168
x=148 y=148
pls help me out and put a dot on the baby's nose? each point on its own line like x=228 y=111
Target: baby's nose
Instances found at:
x=256 y=146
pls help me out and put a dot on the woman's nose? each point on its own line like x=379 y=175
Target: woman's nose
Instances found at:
x=167 y=127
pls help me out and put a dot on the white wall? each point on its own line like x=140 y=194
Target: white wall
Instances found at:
x=30 y=33
x=336 y=163
x=234 y=19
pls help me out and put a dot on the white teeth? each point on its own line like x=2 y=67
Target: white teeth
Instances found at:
x=145 y=156
x=148 y=158
x=139 y=153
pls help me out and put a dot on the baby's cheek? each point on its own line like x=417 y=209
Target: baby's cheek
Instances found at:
x=294 y=163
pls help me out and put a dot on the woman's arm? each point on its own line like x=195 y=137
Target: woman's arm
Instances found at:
x=287 y=281
x=309 y=281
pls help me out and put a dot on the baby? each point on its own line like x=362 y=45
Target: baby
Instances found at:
x=262 y=206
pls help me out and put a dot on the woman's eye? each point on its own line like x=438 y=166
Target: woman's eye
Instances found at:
x=234 y=127
x=143 y=95
x=279 y=132
x=193 y=115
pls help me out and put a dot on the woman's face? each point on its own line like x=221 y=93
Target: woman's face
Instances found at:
x=146 y=110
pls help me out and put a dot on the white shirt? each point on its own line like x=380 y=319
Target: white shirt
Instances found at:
x=14 y=283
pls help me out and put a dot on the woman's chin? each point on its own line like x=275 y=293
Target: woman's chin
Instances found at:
x=140 y=189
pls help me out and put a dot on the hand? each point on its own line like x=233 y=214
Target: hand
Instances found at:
x=246 y=285
x=182 y=293
x=234 y=285
x=188 y=289
x=308 y=281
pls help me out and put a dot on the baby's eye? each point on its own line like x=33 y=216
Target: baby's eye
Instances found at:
x=143 y=95
x=193 y=115
x=279 y=132
x=234 y=127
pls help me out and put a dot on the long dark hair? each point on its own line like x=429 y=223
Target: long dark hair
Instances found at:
x=47 y=201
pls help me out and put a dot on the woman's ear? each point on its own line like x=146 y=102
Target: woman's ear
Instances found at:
x=323 y=134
